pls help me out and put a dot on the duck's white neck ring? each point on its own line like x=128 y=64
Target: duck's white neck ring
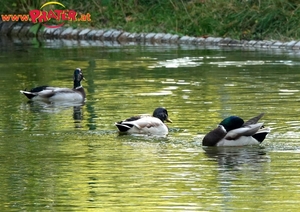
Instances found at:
x=78 y=87
x=223 y=128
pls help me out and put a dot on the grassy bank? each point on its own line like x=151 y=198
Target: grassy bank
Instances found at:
x=241 y=19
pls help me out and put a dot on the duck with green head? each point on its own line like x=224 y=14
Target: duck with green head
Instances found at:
x=56 y=94
x=233 y=131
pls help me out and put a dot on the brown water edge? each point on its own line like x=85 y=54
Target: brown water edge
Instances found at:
x=22 y=30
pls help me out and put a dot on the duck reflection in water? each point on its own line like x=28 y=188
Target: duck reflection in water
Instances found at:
x=236 y=157
x=236 y=170
x=55 y=108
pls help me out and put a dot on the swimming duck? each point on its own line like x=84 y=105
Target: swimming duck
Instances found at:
x=55 y=94
x=233 y=131
x=146 y=124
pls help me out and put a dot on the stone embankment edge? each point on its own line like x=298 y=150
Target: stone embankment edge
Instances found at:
x=22 y=30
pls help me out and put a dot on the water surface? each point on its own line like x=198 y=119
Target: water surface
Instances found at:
x=71 y=158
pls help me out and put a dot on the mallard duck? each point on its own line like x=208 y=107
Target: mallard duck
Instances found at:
x=56 y=94
x=146 y=124
x=233 y=131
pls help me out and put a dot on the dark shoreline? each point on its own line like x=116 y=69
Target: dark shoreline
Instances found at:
x=21 y=30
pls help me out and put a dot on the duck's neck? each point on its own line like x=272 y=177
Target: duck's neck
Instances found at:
x=77 y=84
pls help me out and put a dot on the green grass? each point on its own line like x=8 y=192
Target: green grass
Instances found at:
x=240 y=19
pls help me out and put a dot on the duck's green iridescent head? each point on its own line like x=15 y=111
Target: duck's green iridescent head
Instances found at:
x=232 y=122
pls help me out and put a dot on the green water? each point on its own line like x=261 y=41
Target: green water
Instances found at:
x=58 y=158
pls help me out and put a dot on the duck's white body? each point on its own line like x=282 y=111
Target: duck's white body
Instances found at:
x=146 y=125
x=56 y=94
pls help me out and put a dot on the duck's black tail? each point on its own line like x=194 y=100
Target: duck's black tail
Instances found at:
x=28 y=94
x=123 y=127
x=261 y=134
x=33 y=92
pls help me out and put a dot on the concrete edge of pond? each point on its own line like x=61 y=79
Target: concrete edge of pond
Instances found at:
x=22 y=30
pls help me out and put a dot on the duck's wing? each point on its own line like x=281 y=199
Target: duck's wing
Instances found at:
x=254 y=120
x=133 y=118
x=51 y=91
x=150 y=126
x=45 y=92
x=248 y=130
x=145 y=122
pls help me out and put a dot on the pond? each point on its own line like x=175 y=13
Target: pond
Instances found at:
x=71 y=158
